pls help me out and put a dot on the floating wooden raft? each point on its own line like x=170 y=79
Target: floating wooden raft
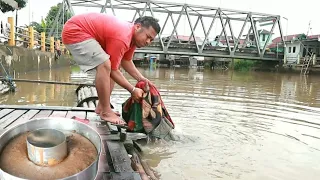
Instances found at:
x=87 y=97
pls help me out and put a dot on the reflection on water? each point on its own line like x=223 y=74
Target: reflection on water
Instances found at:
x=230 y=125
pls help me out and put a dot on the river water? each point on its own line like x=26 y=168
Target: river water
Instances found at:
x=230 y=125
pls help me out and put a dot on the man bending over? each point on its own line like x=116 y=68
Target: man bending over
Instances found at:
x=102 y=42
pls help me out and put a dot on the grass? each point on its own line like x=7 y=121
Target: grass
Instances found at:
x=244 y=65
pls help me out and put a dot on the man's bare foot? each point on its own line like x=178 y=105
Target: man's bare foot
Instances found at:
x=98 y=111
x=112 y=118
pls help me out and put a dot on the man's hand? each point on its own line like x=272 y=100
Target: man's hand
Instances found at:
x=133 y=71
x=147 y=81
x=137 y=94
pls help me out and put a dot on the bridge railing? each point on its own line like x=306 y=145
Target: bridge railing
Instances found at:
x=27 y=37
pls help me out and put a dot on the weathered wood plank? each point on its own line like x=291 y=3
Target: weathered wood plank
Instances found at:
x=8 y=119
x=43 y=113
x=25 y=117
x=58 y=113
x=61 y=108
x=113 y=128
x=121 y=176
x=4 y=112
x=129 y=136
x=101 y=129
x=119 y=156
x=79 y=114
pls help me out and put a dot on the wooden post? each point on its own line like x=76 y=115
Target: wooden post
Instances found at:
x=31 y=37
x=58 y=44
x=43 y=41
x=62 y=48
x=11 y=41
x=52 y=44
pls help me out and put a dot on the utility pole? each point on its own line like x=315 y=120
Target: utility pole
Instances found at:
x=16 y=29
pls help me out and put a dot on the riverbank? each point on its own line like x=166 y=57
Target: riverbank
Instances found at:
x=17 y=60
x=238 y=65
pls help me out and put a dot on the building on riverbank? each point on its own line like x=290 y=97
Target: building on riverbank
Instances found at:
x=298 y=46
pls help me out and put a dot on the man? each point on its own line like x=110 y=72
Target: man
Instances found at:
x=102 y=42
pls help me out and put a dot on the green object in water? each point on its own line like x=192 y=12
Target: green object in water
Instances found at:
x=75 y=68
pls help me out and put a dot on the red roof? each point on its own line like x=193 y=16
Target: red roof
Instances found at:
x=289 y=38
x=314 y=36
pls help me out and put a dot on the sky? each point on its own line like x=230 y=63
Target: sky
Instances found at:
x=297 y=16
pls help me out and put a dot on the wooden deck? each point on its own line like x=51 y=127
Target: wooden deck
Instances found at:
x=114 y=160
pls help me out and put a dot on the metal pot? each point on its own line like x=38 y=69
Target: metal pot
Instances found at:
x=63 y=125
x=46 y=147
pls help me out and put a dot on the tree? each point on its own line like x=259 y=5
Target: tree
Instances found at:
x=4 y=7
x=49 y=20
x=39 y=27
x=36 y=26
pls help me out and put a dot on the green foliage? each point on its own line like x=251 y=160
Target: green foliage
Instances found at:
x=243 y=65
x=48 y=22
x=39 y=27
x=36 y=26
x=4 y=7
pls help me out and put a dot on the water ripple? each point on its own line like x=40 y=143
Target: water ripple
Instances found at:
x=236 y=131
x=244 y=126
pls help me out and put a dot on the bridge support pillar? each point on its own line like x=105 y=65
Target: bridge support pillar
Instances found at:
x=232 y=64
x=11 y=41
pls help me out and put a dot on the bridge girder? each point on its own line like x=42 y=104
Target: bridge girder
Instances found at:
x=223 y=18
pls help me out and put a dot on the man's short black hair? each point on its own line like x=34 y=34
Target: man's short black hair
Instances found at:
x=147 y=21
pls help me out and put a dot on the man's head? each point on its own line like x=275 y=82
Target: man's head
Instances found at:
x=146 y=29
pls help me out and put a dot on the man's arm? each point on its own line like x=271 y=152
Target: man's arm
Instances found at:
x=117 y=76
x=132 y=70
x=116 y=49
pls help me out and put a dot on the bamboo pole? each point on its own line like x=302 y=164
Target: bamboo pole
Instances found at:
x=145 y=166
x=136 y=164
x=49 y=82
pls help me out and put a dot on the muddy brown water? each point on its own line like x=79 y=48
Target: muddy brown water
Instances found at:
x=230 y=125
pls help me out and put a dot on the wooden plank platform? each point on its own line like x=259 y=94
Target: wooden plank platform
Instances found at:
x=114 y=162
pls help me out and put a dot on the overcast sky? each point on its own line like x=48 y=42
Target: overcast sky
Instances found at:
x=298 y=14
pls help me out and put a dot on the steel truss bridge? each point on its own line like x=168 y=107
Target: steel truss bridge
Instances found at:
x=230 y=27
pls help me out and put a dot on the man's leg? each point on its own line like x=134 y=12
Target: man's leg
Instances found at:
x=98 y=108
x=103 y=85
x=89 y=56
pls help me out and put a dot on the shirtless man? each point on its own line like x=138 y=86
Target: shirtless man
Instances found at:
x=101 y=42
